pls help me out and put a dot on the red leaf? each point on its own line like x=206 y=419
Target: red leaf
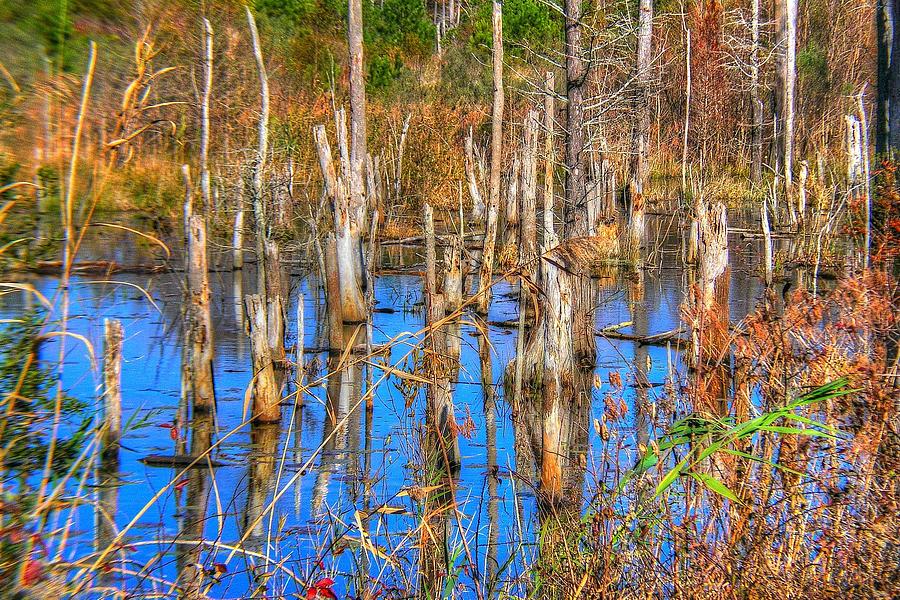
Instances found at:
x=321 y=589
x=180 y=485
x=221 y=568
x=32 y=573
x=173 y=433
x=166 y=425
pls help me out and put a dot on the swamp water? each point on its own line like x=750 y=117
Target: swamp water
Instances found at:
x=355 y=459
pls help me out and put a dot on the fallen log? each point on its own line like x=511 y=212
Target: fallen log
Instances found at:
x=97 y=267
x=168 y=461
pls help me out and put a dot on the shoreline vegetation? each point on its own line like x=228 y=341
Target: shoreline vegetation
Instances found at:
x=258 y=173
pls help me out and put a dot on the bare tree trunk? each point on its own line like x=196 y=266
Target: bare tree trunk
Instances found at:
x=490 y=232
x=332 y=296
x=575 y=214
x=756 y=126
x=687 y=112
x=640 y=139
x=576 y=219
x=347 y=222
x=548 y=239
x=258 y=200
x=358 y=150
x=401 y=147
x=510 y=251
x=443 y=445
x=864 y=130
x=709 y=309
x=112 y=385
x=207 y=64
x=887 y=136
x=237 y=240
x=801 y=192
x=266 y=397
x=430 y=255
x=528 y=218
x=199 y=332
x=453 y=276
x=478 y=208
x=767 y=242
x=785 y=83
x=558 y=381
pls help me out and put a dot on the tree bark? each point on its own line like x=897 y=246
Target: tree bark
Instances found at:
x=576 y=218
x=266 y=397
x=527 y=242
x=347 y=223
x=258 y=200
x=640 y=139
x=548 y=239
x=198 y=331
x=478 y=209
x=112 y=385
x=358 y=151
x=756 y=126
x=490 y=232
x=207 y=63
x=332 y=296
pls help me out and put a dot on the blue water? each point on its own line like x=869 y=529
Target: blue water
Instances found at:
x=355 y=470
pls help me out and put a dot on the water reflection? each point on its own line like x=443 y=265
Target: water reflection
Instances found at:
x=368 y=444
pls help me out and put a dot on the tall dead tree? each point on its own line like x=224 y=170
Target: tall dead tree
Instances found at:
x=887 y=117
x=443 y=442
x=207 y=64
x=567 y=320
x=198 y=330
x=358 y=151
x=268 y=259
x=113 y=334
x=756 y=125
x=548 y=238
x=576 y=216
x=708 y=309
x=528 y=216
x=785 y=86
x=266 y=394
x=490 y=231
x=349 y=216
x=639 y=168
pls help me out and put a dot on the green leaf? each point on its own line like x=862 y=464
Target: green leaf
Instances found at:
x=716 y=486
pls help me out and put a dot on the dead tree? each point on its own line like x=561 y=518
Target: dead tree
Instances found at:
x=332 y=295
x=112 y=386
x=443 y=443
x=756 y=106
x=785 y=86
x=527 y=242
x=349 y=215
x=269 y=285
x=199 y=332
x=206 y=93
x=453 y=275
x=266 y=396
x=472 y=179
x=548 y=238
x=767 y=242
x=708 y=309
x=490 y=231
x=513 y=218
x=576 y=217
x=640 y=138
x=358 y=152
x=887 y=117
